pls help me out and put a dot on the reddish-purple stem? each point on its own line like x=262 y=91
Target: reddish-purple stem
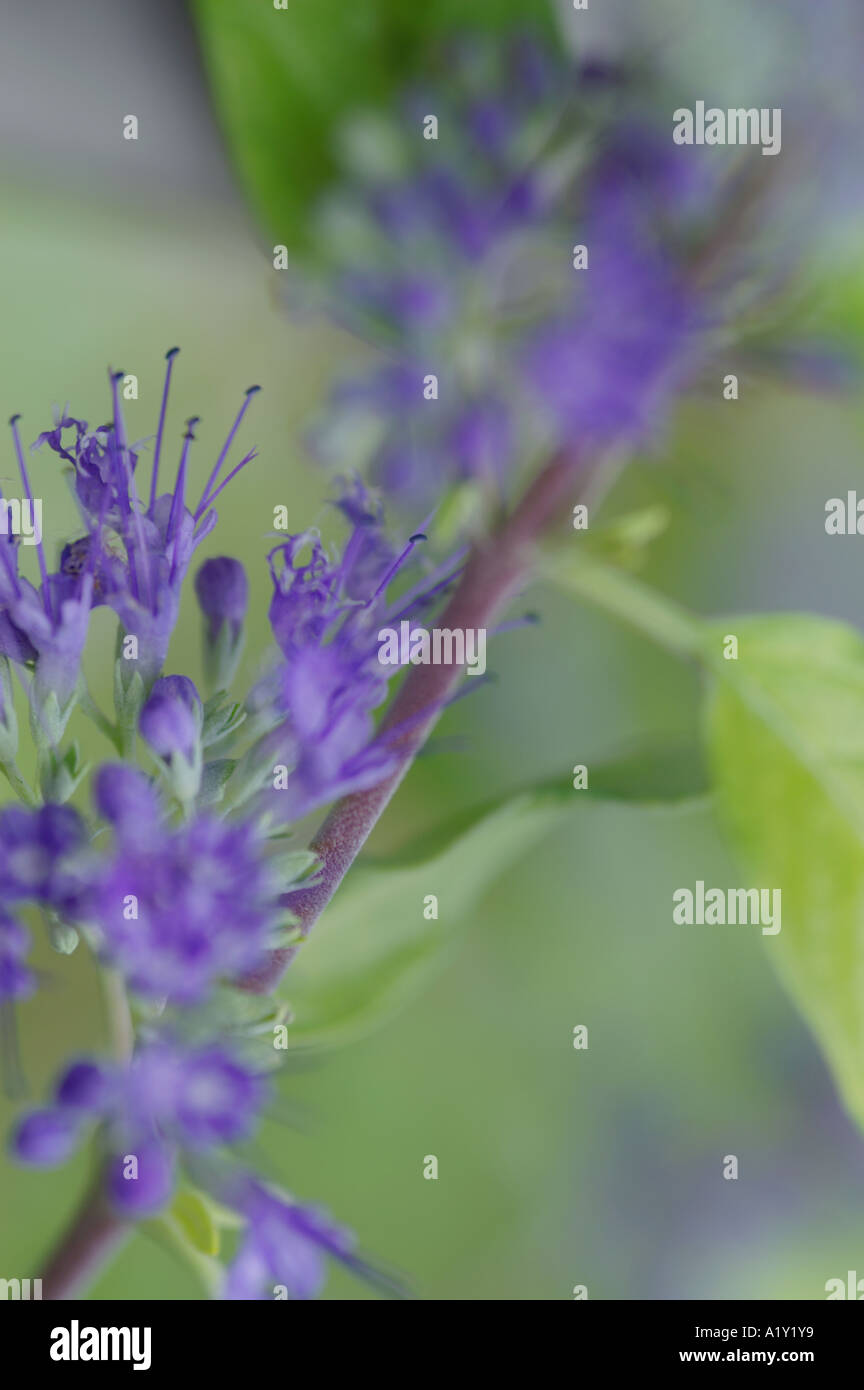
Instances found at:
x=95 y=1233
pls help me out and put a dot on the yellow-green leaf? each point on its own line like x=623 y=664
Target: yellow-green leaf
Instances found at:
x=786 y=736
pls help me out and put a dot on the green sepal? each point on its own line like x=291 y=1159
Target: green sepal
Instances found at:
x=214 y=778
x=222 y=717
x=61 y=773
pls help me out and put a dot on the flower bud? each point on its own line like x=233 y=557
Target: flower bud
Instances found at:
x=171 y=718
x=222 y=590
x=46 y=1138
x=170 y=722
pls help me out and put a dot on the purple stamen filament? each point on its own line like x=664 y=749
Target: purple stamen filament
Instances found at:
x=204 y=505
x=169 y=357
x=206 y=499
x=177 y=503
x=129 y=490
x=396 y=565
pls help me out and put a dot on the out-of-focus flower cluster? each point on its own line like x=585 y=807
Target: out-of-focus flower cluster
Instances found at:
x=541 y=267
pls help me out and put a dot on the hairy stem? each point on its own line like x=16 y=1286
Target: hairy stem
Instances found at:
x=21 y=789
x=496 y=570
x=92 y=1237
x=121 y=1029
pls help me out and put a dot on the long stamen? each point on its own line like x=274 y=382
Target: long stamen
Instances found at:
x=253 y=453
x=40 y=549
x=133 y=505
x=205 y=496
x=397 y=565
x=431 y=586
x=169 y=357
x=178 y=500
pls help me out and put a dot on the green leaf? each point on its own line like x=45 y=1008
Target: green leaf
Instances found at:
x=284 y=81
x=194 y=1218
x=374 y=947
x=624 y=539
x=651 y=775
x=172 y=1235
x=574 y=569
x=786 y=736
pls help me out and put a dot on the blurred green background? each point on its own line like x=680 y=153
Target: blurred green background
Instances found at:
x=557 y=1167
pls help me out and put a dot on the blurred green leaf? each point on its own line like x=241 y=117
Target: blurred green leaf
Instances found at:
x=185 y=1236
x=625 y=539
x=284 y=80
x=786 y=734
x=573 y=568
x=652 y=775
x=785 y=731
x=194 y=1219
x=373 y=948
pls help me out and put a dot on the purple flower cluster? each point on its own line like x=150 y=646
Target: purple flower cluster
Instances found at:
x=326 y=614
x=169 y=1099
x=497 y=346
x=42 y=857
x=636 y=331
x=133 y=555
x=178 y=899
x=44 y=860
x=284 y=1250
x=17 y=980
x=179 y=907
x=445 y=276
x=549 y=270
